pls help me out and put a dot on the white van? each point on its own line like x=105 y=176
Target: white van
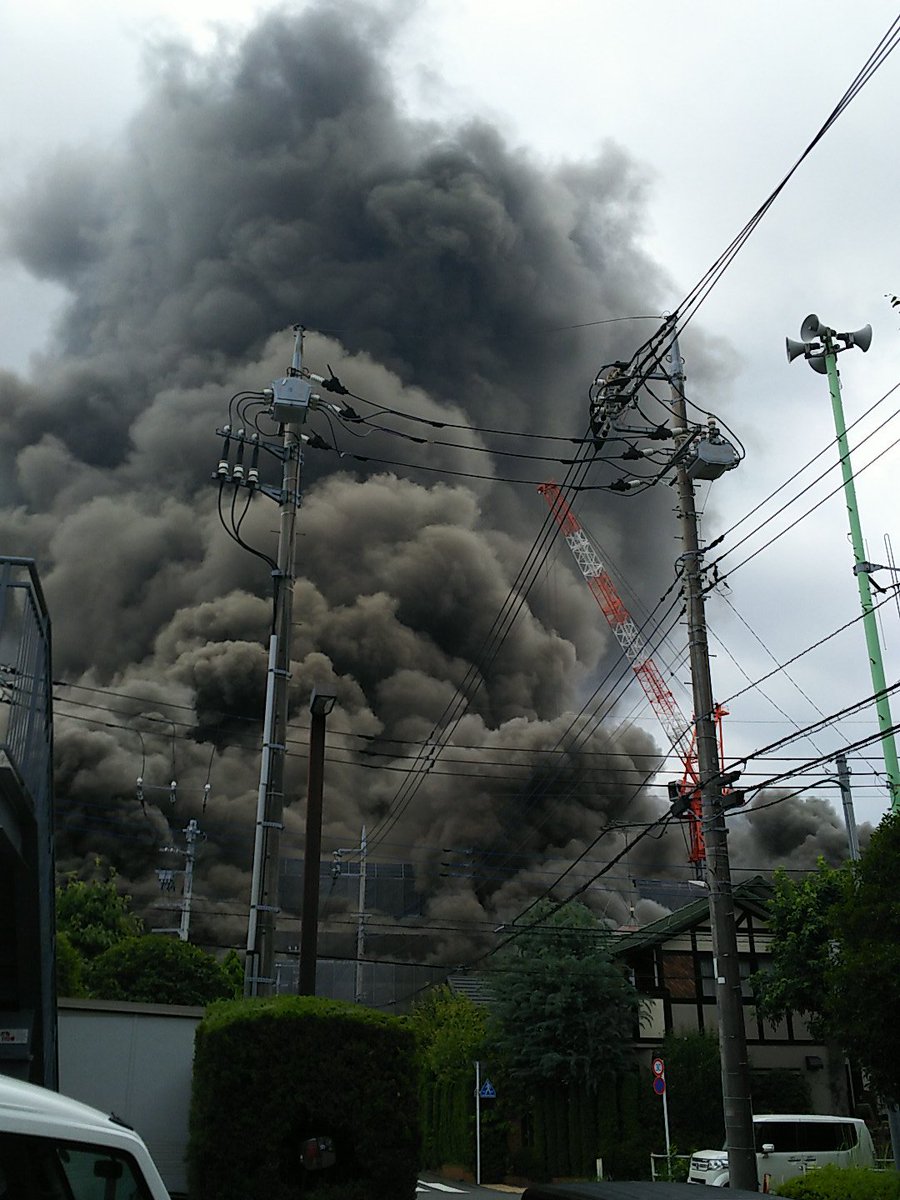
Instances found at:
x=54 y=1147
x=788 y=1144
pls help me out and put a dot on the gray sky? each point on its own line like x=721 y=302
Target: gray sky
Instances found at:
x=714 y=102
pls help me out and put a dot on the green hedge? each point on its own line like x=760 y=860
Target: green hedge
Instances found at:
x=843 y=1183
x=270 y=1073
x=448 y=1128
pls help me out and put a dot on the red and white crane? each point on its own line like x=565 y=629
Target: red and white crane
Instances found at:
x=679 y=730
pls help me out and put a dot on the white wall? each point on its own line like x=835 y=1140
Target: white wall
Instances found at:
x=134 y=1060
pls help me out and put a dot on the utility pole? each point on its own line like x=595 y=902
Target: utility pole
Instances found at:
x=843 y=773
x=191 y=832
x=820 y=346
x=360 y=905
x=166 y=878
x=361 y=918
x=290 y=404
x=320 y=705
x=726 y=969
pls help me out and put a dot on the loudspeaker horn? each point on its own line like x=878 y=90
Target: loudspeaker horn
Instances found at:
x=811 y=328
x=818 y=364
x=794 y=349
x=860 y=337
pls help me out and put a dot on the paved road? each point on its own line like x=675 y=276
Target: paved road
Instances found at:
x=431 y=1188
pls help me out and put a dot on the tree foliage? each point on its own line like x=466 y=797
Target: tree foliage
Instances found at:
x=836 y=956
x=94 y=915
x=69 y=969
x=564 y=1011
x=449 y=1031
x=158 y=970
x=803 y=935
x=233 y=968
x=865 y=976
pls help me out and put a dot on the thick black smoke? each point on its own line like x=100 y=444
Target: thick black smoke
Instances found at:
x=277 y=183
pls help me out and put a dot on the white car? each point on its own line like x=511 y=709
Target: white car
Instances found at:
x=788 y=1144
x=60 y=1149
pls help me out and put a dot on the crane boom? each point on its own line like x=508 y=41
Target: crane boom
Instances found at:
x=678 y=728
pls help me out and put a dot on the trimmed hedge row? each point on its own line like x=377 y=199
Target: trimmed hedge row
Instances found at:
x=270 y=1073
x=843 y=1183
x=448 y=1126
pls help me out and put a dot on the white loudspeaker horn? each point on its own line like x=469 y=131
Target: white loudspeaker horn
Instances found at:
x=794 y=349
x=860 y=337
x=811 y=328
x=818 y=364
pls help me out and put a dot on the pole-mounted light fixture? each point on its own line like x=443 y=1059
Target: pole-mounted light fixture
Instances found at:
x=321 y=702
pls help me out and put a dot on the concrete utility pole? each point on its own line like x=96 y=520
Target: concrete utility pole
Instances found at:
x=361 y=919
x=726 y=970
x=191 y=833
x=320 y=705
x=291 y=397
x=361 y=906
x=843 y=774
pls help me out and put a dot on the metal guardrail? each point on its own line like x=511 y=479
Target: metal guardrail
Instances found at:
x=664 y=1160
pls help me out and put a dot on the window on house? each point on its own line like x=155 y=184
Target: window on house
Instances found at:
x=708 y=983
x=678 y=975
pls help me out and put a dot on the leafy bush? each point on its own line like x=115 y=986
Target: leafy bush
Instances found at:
x=843 y=1183
x=69 y=968
x=93 y=915
x=270 y=1073
x=157 y=970
x=781 y=1090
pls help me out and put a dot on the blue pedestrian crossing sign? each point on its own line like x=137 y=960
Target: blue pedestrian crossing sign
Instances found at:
x=487 y=1091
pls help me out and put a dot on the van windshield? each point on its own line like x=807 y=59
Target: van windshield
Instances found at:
x=61 y=1170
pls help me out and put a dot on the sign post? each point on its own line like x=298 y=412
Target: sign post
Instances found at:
x=659 y=1086
x=477 y=1123
x=483 y=1091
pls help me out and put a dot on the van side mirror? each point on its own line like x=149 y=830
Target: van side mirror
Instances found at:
x=768 y=1148
x=316 y=1153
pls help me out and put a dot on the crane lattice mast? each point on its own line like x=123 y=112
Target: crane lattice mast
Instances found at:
x=678 y=729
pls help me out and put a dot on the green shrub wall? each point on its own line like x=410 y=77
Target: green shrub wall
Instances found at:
x=448 y=1128
x=843 y=1183
x=270 y=1073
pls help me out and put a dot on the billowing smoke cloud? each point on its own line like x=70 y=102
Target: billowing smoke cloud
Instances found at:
x=281 y=181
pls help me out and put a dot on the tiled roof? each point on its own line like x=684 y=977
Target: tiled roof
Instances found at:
x=751 y=895
x=475 y=987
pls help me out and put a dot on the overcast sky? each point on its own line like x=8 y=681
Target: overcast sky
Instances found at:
x=715 y=102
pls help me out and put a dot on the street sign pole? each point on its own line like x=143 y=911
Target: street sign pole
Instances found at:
x=478 y=1123
x=659 y=1086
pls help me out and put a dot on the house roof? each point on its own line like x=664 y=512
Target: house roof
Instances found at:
x=475 y=987
x=752 y=895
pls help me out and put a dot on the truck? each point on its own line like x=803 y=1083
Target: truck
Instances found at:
x=53 y=1146
x=57 y=1148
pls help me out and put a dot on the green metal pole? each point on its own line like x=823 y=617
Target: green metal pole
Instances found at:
x=873 y=644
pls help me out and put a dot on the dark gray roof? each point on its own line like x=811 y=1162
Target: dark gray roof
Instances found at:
x=752 y=895
x=475 y=987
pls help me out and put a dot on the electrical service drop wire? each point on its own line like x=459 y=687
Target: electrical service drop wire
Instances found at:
x=484 y=658
x=825 y=450
x=692 y=302
x=787 y=504
x=781 y=670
